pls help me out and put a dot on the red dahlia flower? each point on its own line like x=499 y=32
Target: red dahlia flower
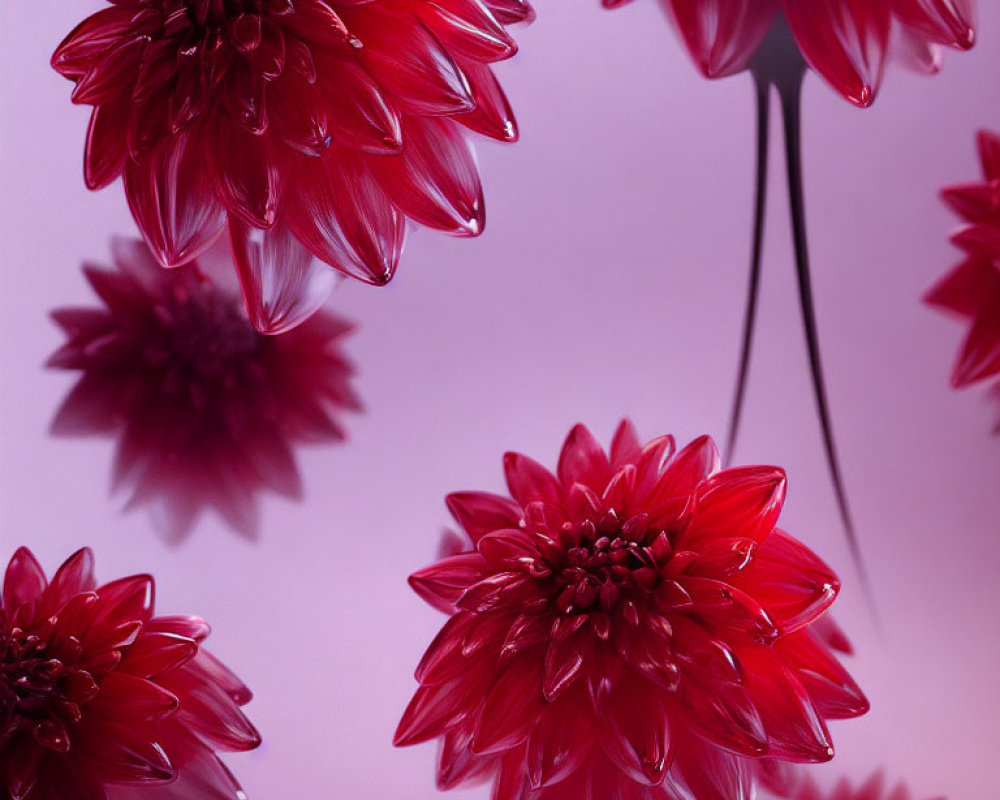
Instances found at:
x=845 y=41
x=315 y=127
x=972 y=289
x=101 y=700
x=204 y=409
x=633 y=627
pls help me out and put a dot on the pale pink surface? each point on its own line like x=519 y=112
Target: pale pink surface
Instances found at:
x=609 y=282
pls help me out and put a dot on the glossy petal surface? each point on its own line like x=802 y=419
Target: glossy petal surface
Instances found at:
x=847 y=42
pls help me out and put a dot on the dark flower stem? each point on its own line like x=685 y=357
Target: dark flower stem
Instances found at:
x=791 y=108
x=763 y=88
x=779 y=63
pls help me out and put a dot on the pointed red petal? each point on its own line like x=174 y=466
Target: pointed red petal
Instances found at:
x=443 y=583
x=722 y=35
x=434 y=179
x=528 y=481
x=845 y=41
x=24 y=580
x=480 y=513
x=173 y=200
x=339 y=211
x=744 y=503
x=283 y=284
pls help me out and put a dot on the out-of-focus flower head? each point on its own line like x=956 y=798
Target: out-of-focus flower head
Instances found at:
x=875 y=788
x=314 y=127
x=205 y=410
x=971 y=290
x=102 y=700
x=632 y=627
x=846 y=41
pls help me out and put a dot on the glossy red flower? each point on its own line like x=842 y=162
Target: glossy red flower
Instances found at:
x=102 y=700
x=315 y=127
x=205 y=410
x=972 y=289
x=845 y=41
x=632 y=627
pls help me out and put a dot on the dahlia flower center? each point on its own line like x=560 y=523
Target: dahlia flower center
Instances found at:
x=607 y=565
x=205 y=335
x=195 y=45
x=33 y=692
x=235 y=20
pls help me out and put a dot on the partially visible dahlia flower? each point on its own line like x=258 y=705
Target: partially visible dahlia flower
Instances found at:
x=846 y=41
x=204 y=409
x=633 y=627
x=314 y=127
x=972 y=289
x=102 y=700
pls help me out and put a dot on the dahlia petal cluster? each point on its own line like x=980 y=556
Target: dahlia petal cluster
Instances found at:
x=102 y=700
x=971 y=290
x=204 y=409
x=309 y=128
x=846 y=41
x=632 y=627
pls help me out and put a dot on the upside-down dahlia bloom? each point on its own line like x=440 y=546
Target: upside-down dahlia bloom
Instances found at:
x=633 y=627
x=314 y=127
x=845 y=41
x=102 y=700
x=972 y=289
x=204 y=409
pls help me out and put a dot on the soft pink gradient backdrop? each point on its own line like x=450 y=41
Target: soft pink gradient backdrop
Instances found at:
x=610 y=282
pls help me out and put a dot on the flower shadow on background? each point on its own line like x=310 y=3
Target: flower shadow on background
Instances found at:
x=204 y=410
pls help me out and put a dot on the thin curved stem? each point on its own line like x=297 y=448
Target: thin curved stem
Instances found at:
x=790 y=93
x=763 y=88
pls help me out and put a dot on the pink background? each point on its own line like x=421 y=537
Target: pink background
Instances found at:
x=609 y=282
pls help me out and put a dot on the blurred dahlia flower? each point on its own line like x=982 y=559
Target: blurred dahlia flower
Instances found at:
x=314 y=127
x=875 y=788
x=633 y=627
x=101 y=700
x=203 y=408
x=972 y=289
x=845 y=41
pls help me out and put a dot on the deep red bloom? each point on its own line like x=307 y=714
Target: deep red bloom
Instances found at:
x=315 y=127
x=632 y=627
x=972 y=289
x=845 y=41
x=101 y=700
x=204 y=409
